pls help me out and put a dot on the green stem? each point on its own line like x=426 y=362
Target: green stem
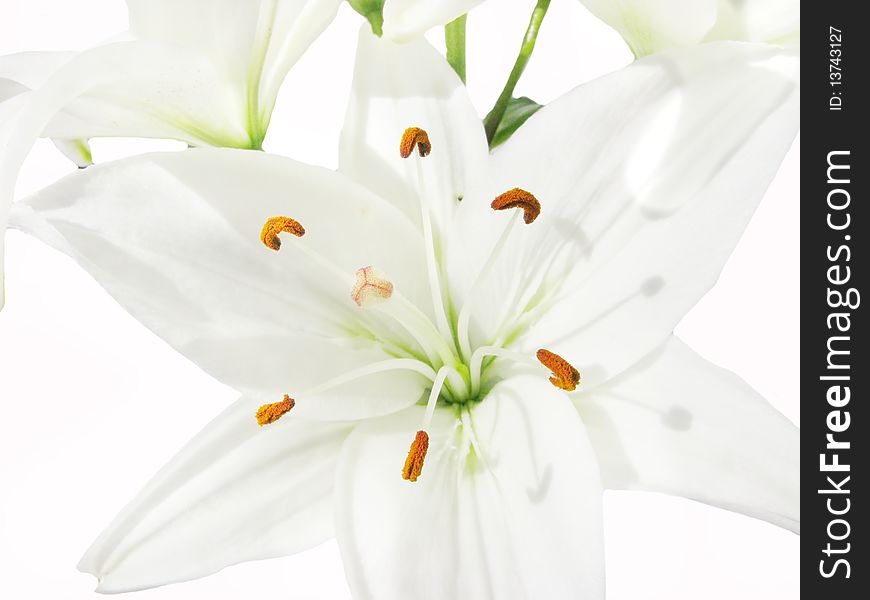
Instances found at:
x=454 y=35
x=495 y=115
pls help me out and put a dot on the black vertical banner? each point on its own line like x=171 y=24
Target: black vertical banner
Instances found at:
x=835 y=362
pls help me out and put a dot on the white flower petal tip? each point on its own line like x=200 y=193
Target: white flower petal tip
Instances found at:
x=237 y=492
x=677 y=424
x=510 y=488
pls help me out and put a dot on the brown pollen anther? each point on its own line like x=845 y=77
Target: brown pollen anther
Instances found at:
x=269 y=413
x=416 y=455
x=517 y=198
x=565 y=377
x=276 y=225
x=371 y=287
x=414 y=137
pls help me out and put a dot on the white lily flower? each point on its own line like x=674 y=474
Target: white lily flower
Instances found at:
x=529 y=351
x=206 y=72
x=203 y=71
x=649 y=26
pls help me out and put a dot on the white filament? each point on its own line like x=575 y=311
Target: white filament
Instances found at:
x=437 y=385
x=431 y=261
x=394 y=364
x=465 y=313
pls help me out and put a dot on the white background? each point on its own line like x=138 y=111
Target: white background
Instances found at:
x=92 y=404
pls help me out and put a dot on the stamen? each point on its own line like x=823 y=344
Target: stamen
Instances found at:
x=414 y=137
x=416 y=455
x=371 y=287
x=565 y=377
x=517 y=198
x=269 y=413
x=276 y=225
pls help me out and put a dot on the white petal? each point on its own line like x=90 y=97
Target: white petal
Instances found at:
x=522 y=519
x=236 y=492
x=774 y=21
x=175 y=239
x=192 y=70
x=406 y=19
x=32 y=69
x=646 y=178
x=251 y=43
x=677 y=424
x=411 y=85
x=652 y=25
x=131 y=75
x=23 y=72
x=143 y=88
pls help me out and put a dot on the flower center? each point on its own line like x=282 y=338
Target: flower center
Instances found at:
x=439 y=346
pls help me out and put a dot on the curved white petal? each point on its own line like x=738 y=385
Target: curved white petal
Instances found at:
x=20 y=73
x=237 y=492
x=406 y=19
x=646 y=178
x=519 y=518
x=253 y=44
x=397 y=86
x=141 y=80
x=677 y=424
x=203 y=72
x=32 y=69
x=652 y=25
x=175 y=239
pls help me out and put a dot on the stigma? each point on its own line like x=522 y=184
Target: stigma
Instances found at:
x=565 y=376
x=276 y=225
x=518 y=198
x=414 y=137
x=371 y=287
x=416 y=455
x=269 y=413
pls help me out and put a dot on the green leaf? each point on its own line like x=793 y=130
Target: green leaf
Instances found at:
x=518 y=112
x=373 y=11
